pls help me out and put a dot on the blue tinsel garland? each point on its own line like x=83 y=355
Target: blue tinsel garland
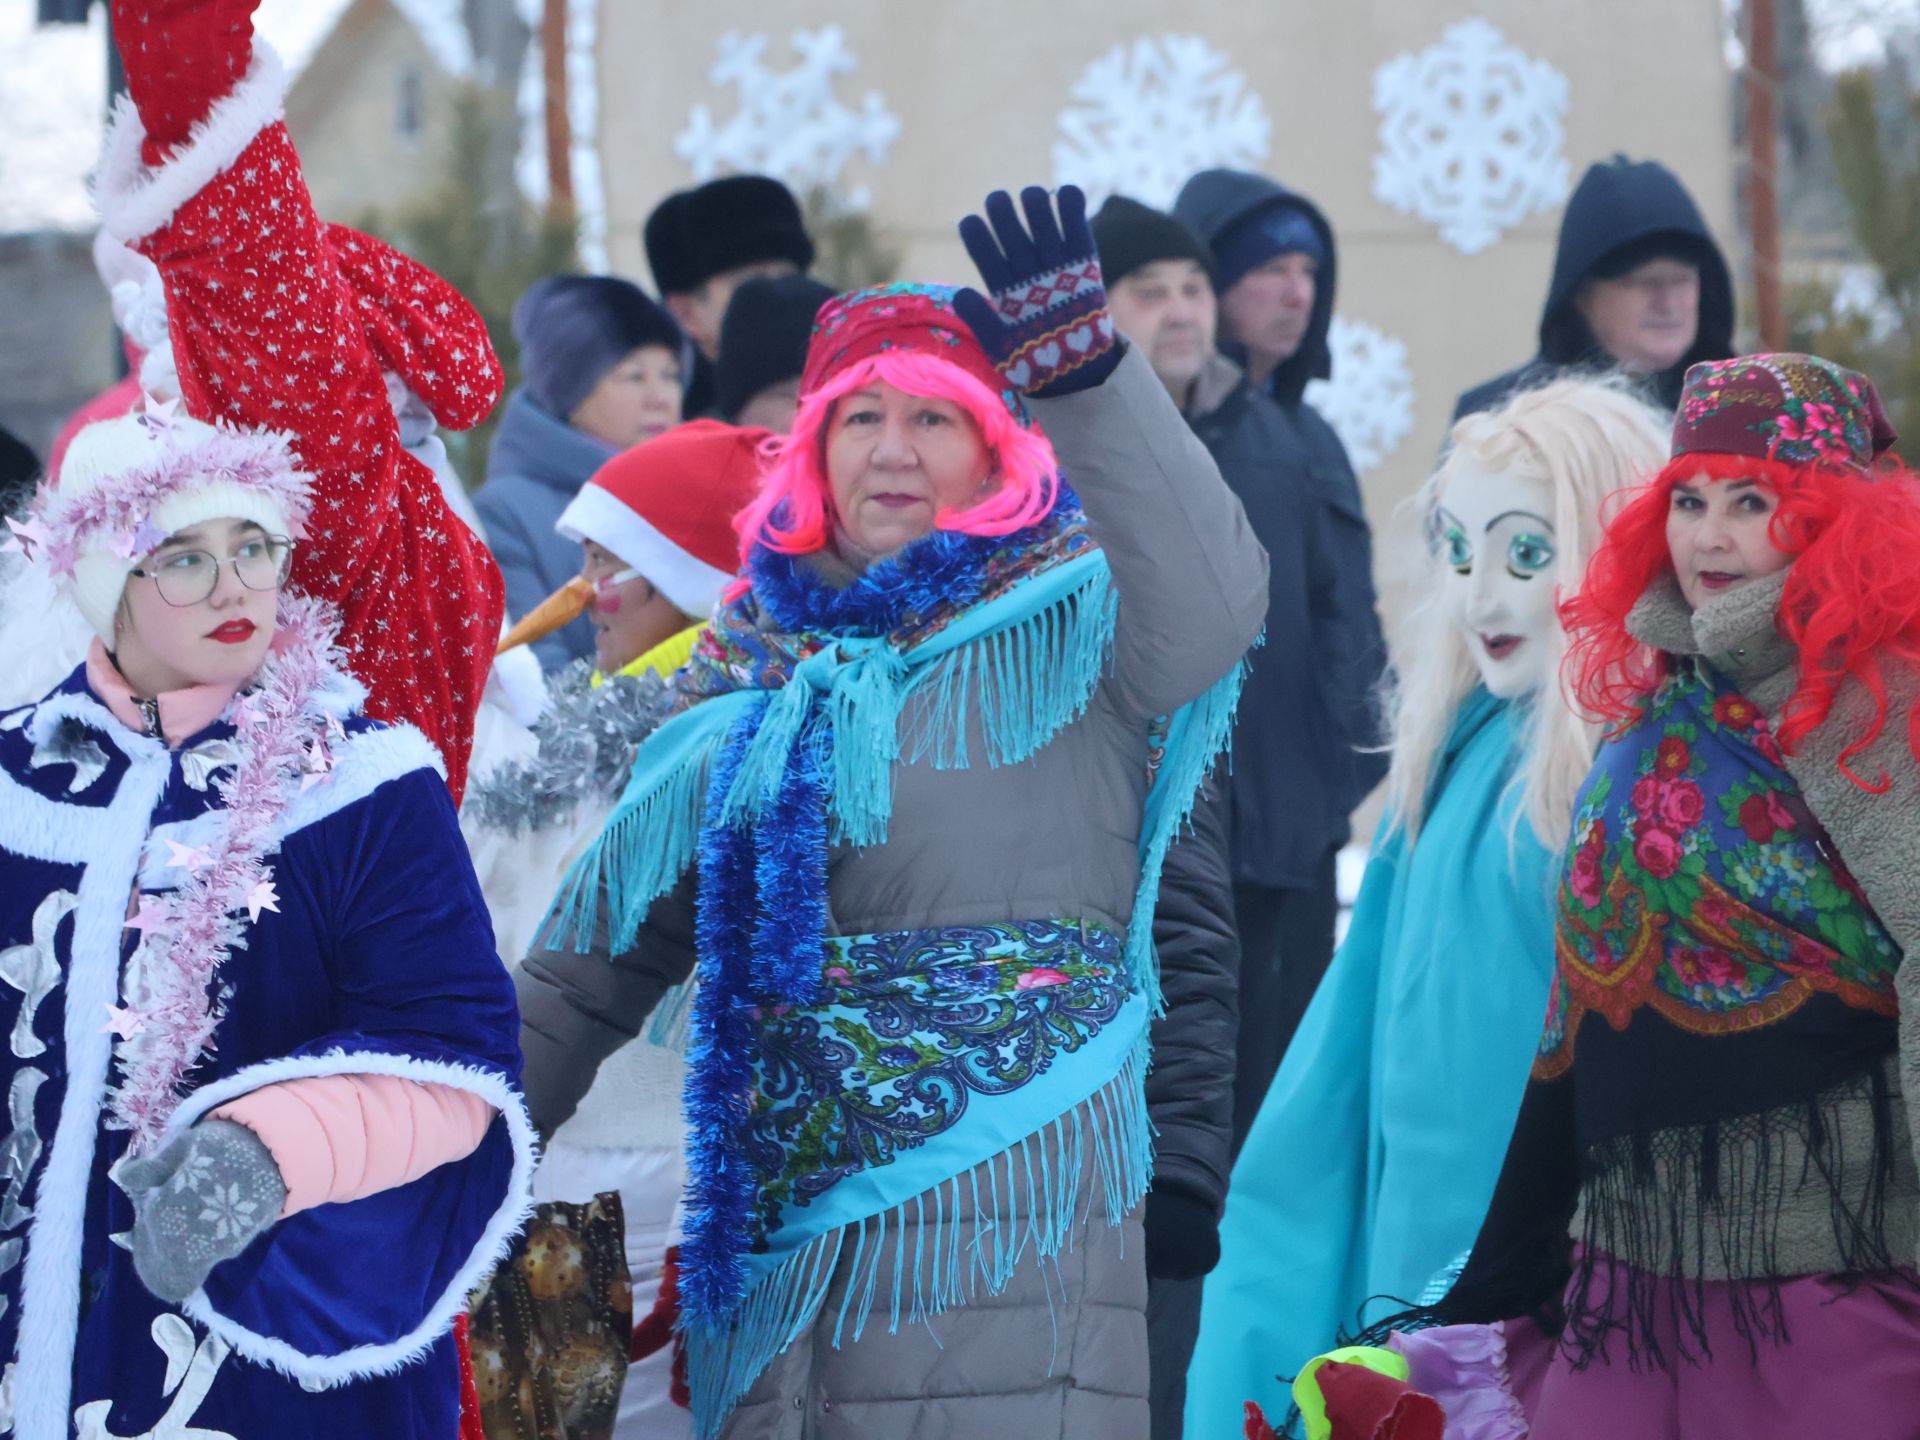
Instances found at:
x=944 y=569
x=763 y=883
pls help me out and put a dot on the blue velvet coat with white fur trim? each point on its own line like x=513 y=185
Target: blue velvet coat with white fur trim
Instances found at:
x=336 y=1321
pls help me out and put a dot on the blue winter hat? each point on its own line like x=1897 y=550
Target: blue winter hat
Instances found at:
x=1281 y=228
x=573 y=329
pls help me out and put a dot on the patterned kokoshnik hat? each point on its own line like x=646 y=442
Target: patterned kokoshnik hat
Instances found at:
x=1796 y=409
x=905 y=316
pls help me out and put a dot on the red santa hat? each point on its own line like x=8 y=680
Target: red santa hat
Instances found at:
x=666 y=508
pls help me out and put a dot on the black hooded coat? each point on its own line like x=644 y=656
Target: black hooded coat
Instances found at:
x=1307 y=717
x=1618 y=204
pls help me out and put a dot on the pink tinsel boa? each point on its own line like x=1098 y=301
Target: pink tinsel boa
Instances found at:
x=62 y=528
x=282 y=728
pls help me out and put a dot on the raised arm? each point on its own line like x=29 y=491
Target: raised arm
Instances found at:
x=201 y=177
x=1192 y=579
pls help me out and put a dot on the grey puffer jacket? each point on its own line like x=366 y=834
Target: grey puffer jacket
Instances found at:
x=1878 y=839
x=1053 y=836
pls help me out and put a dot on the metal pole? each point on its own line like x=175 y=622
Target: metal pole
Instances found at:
x=1763 y=201
x=553 y=54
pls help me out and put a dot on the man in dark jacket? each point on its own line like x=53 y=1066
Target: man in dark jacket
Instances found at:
x=1159 y=286
x=702 y=243
x=763 y=350
x=1304 y=746
x=1638 y=283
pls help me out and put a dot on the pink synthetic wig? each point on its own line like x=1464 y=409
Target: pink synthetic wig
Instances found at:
x=790 y=514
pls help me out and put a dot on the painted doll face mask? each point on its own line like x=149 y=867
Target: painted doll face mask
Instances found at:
x=1493 y=533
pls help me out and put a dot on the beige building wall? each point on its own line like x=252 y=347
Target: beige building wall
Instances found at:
x=372 y=114
x=978 y=87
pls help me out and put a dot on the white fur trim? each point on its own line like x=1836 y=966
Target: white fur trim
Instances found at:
x=78 y=705
x=50 y=1283
x=365 y=763
x=43 y=829
x=677 y=573
x=363 y=1361
x=517 y=686
x=160 y=372
x=135 y=199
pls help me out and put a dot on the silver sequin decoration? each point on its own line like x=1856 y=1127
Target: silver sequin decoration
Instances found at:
x=200 y=762
x=33 y=969
x=22 y=1150
x=71 y=745
x=10 y=1253
x=587 y=738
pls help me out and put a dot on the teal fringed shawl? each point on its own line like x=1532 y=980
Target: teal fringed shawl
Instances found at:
x=1030 y=657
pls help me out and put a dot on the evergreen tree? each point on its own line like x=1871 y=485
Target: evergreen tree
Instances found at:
x=484 y=239
x=1873 y=133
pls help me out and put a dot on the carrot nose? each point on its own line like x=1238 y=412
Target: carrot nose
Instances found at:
x=567 y=603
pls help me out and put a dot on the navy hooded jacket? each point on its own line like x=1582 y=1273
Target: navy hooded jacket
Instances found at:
x=1306 y=737
x=537 y=464
x=1619 y=203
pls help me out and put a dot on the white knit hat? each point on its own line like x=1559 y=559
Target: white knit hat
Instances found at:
x=126 y=484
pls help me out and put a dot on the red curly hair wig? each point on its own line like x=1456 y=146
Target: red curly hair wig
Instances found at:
x=1851 y=606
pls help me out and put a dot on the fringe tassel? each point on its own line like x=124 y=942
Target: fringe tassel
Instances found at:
x=865 y=715
x=1662 y=1206
x=1197 y=737
x=1033 y=678
x=640 y=855
x=1040 y=1177
x=1037 y=677
x=671 y=1027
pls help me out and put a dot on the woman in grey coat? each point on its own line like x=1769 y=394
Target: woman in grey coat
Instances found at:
x=910 y=820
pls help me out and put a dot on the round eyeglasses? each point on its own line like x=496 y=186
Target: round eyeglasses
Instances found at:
x=186 y=577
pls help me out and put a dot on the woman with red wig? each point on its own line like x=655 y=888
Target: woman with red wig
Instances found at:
x=928 y=758
x=1708 y=1212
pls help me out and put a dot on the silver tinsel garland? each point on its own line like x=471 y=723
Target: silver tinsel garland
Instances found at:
x=587 y=739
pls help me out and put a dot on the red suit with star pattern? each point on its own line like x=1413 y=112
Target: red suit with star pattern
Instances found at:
x=267 y=332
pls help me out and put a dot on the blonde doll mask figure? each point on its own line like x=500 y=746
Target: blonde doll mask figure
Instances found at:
x=1494 y=534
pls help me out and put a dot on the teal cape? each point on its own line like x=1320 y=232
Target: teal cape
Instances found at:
x=1374 y=1156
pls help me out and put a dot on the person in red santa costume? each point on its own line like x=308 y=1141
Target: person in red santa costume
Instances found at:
x=200 y=176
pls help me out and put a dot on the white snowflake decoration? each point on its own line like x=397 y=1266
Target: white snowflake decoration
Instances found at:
x=789 y=123
x=1471 y=135
x=1369 y=400
x=1149 y=115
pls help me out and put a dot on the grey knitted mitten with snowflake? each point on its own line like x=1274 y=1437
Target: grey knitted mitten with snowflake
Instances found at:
x=201 y=1200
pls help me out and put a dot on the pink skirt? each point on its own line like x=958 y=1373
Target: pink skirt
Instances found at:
x=1850 y=1368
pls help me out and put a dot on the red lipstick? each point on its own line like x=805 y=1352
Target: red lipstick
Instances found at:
x=1501 y=646
x=234 y=632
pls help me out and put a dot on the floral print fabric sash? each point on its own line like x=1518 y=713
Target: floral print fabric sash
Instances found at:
x=1715 y=958
x=915 y=1032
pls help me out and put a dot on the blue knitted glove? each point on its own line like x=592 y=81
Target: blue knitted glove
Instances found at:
x=1046 y=327
x=201 y=1200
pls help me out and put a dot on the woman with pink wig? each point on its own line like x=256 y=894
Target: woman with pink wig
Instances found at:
x=906 y=829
